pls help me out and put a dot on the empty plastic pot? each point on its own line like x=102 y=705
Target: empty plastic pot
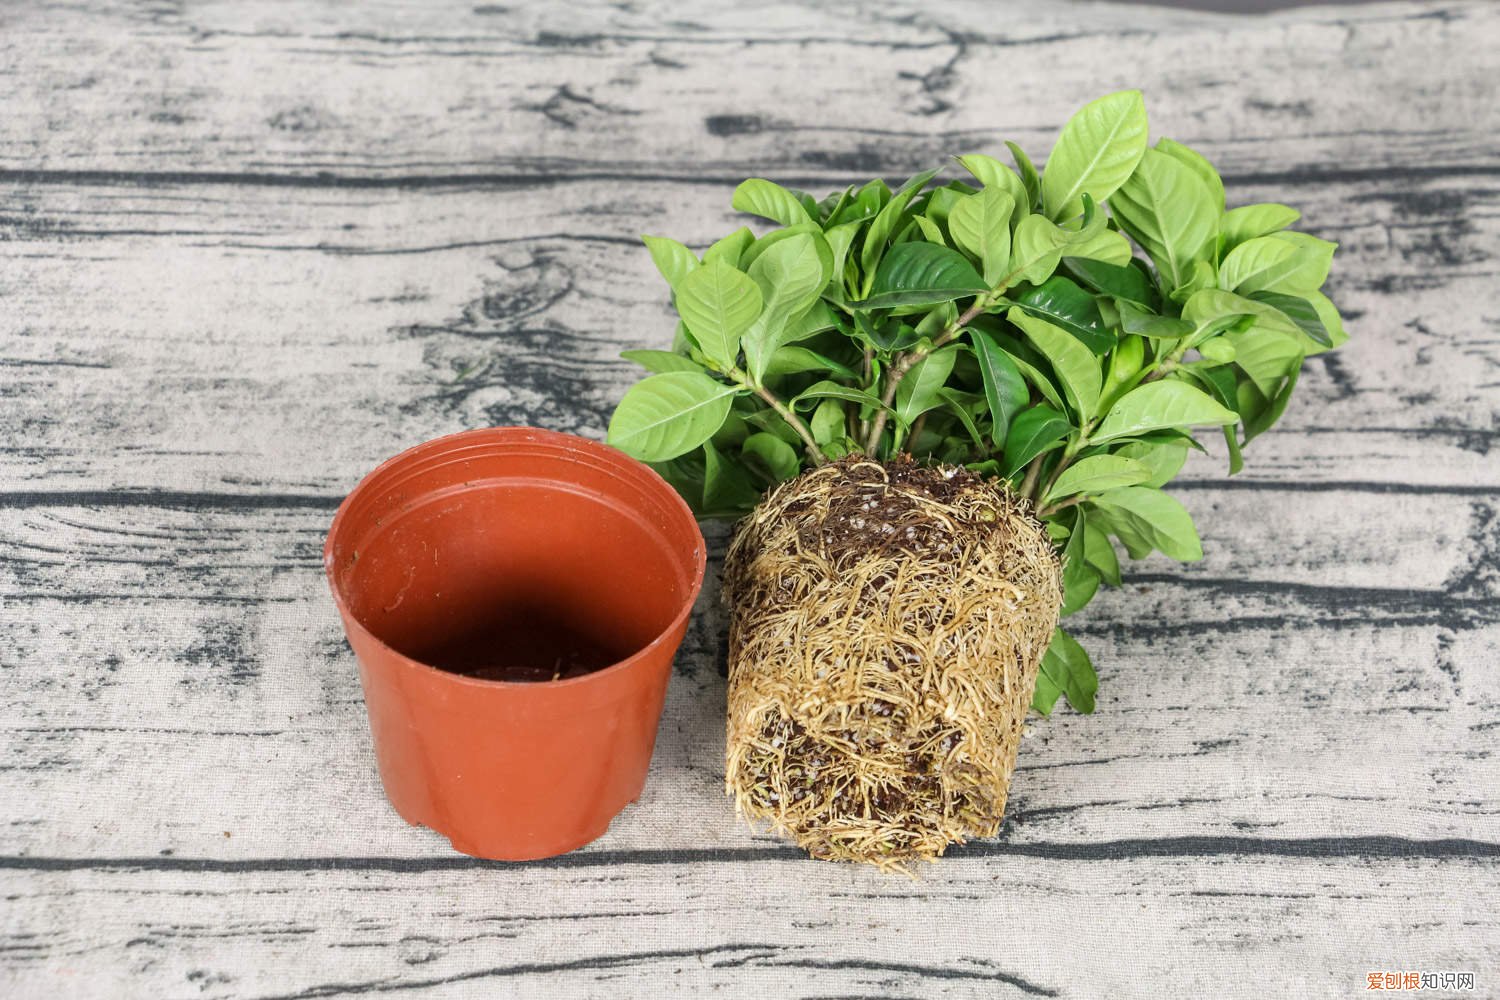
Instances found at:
x=515 y=598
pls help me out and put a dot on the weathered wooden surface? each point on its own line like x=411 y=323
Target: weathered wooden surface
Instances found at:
x=248 y=251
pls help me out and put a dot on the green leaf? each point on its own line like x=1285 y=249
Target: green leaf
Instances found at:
x=1123 y=282
x=1143 y=323
x=1199 y=165
x=1282 y=262
x=1328 y=313
x=931 y=231
x=1036 y=377
x=729 y=249
x=840 y=239
x=827 y=423
x=777 y=456
x=1156 y=518
x=1096 y=474
x=1101 y=554
x=918 y=274
x=1098 y=149
x=1218 y=350
x=1162 y=460
x=1249 y=221
x=663 y=416
x=1160 y=404
x=1212 y=310
x=1125 y=364
x=980 y=224
x=1080 y=580
x=791 y=275
x=660 y=362
x=1068 y=669
x=768 y=200
x=718 y=304
x=671 y=258
x=1031 y=181
x=1166 y=208
x=792 y=360
x=728 y=489
x=832 y=390
x=1004 y=388
x=994 y=175
x=1265 y=354
x=1075 y=366
x=958 y=404
x=1300 y=311
x=887 y=221
x=1062 y=303
x=1106 y=246
x=1032 y=433
x=918 y=391
x=1035 y=249
x=1261 y=422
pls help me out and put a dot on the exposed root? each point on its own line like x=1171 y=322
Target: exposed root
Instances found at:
x=887 y=622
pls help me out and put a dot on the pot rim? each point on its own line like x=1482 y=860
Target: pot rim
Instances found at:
x=530 y=435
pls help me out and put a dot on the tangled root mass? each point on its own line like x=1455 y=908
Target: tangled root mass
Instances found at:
x=886 y=625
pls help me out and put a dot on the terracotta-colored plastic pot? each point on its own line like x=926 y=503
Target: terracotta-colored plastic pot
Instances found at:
x=471 y=564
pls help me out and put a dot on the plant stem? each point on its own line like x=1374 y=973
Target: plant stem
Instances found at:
x=909 y=360
x=795 y=422
x=1032 y=471
x=1051 y=509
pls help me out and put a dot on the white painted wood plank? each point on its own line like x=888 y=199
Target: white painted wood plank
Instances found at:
x=1219 y=924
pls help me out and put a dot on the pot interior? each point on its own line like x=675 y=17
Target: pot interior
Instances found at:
x=519 y=580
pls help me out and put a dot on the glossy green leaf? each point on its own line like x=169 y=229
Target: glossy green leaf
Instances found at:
x=778 y=457
x=1281 y=262
x=1161 y=404
x=671 y=258
x=1267 y=355
x=916 y=274
x=718 y=304
x=1036 y=249
x=1068 y=669
x=1199 y=165
x=886 y=224
x=1118 y=282
x=1080 y=580
x=958 y=404
x=729 y=249
x=1249 y=221
x=828 y=424
x=660 y=362
x=1032 y=433
x=728 y=489
x=918 y=391
x=993 y=174
x=1004 y=388
x=1076 y=367
x=1162 y=459
x=664 y=416
x=790 y=275
x=793 y=359
x=1155 y=518
x=1031 y=181
x=1096 y=474
x=1300 y=311
x=1097 y=151
x=1062 y=303
x=1101 y=554
x=980 y=224
x=832 y=390
x=1144 y=323
x=769 y=200
x=1166 y=208
x=1106 y=246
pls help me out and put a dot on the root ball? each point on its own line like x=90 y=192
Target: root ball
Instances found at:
x=886 y=625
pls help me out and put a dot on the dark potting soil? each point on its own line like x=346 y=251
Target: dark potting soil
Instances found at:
x=524 y=644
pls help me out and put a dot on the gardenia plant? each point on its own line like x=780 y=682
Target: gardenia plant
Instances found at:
x=1048 y=341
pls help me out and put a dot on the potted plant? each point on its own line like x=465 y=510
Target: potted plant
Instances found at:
x=935 y=412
